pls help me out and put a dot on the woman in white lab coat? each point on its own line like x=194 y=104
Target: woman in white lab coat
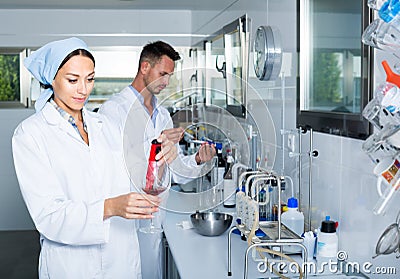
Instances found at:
x=70 y=178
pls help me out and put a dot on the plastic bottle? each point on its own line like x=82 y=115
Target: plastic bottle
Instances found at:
x=376 y=4
x=384 y=32
x=217 y=178
x=327 y=242
x=229 y=184
x=294 y=220
x=152 y=167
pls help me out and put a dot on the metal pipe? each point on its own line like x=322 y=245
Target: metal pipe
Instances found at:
x=310 y=179
x=254 y=151
x=230 y=250
x=283 y=121
x=235 y=168
x=300 y=131
x=242 y=175
x=279 y=207
x=256 y=182
x=184 y=97
x=247 y=186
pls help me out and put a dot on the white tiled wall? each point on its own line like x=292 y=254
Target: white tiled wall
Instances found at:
x=343 y=185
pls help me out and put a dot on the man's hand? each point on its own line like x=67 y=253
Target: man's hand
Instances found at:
x=206 y=153
x=169 y=151
x=174 y=134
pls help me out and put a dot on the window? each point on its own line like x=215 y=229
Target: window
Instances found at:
x=115 y=69
x=334 y=67
x=226 y=60
x=117 y=66
x=10 y=78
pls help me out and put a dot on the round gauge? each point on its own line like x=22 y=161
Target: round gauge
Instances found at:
x=267 y=53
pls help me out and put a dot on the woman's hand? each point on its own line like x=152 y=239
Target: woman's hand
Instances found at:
x=131 y=206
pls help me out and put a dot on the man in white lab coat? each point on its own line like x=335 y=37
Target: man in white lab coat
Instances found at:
x=137 y=104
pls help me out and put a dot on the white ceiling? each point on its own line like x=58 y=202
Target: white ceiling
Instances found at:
x=118 y=4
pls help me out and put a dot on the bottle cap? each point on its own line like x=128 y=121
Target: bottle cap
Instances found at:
x=390 y=75
x=328 y=226
x=155 y=148
x=389 y=10
x=218 y=145
x=292 y=203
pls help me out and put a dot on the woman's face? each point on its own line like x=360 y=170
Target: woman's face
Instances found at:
x=73 y=83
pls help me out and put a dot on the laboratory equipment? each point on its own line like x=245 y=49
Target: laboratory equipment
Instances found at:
x=389 y=241
x=262 y=236
x=327 y=242
x=382 y=146
x=211 y=223
x=387 y=171
x=158 y=179
x=294 y=220
x=229 y=183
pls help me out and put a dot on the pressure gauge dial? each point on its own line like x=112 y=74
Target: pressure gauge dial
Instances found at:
x=267 y=53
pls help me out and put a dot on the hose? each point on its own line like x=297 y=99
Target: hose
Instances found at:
x=291 y=183
x=266 y=250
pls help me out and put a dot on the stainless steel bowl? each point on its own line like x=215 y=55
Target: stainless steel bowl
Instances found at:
x=211 y=223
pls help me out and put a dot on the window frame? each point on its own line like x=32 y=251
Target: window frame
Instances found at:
x=24 y=80
x=352 y=125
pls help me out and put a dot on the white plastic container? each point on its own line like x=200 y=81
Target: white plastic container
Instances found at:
x=327 y=242
x=294 y=220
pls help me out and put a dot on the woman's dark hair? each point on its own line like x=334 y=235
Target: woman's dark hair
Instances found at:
x=152 y=53
x=76 y=52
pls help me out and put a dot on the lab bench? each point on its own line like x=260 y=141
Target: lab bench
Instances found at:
x=198 y=257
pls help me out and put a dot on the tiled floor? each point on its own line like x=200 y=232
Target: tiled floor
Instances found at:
x=19 y=254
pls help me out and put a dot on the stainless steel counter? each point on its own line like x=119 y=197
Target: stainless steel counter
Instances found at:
x=199 y=257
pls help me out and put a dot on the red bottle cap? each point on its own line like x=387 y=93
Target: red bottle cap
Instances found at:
x=155 y=148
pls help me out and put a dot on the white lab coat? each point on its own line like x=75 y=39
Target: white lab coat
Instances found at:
x=126 y=112
x=64 y=183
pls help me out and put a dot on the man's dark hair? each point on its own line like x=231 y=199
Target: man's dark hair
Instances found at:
x=152 y=53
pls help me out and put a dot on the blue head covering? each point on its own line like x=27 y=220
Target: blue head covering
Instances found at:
x=44 y=63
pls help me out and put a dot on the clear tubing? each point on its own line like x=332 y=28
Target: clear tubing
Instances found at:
x=291 y=183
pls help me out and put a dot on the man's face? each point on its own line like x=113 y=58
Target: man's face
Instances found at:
x=157 y=78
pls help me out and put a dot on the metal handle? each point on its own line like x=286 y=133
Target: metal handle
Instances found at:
x=222 y=69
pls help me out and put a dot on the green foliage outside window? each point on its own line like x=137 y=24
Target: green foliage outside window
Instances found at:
x=326 y=82
x=9 y=77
